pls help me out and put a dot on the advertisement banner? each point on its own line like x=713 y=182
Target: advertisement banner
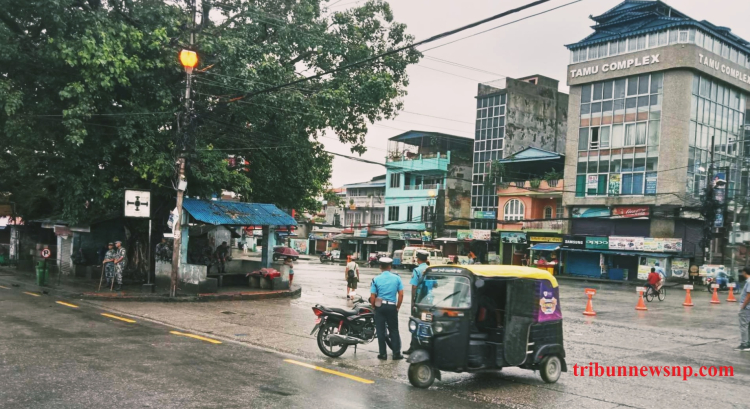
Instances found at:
x=478 y=214
x=360 y=233
x=549 y=305
x=463 y=235
x=540 y=239
x=651 y=183
x=412 y=235
x=482 y=235
x=513 y=237
x=426 y=236
x=585 y=212
x=625 y=212
x=395 y=235
x=592 y=182
x=614 y=184
x=626 y=243
x=667 y=245
x=574 y=242
x=597 y=243
x=680 y=267
x=299 y=244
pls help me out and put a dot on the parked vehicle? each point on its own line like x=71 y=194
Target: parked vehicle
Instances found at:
x=486 y=317
x=339 y=328
x=280 y=252
x=326 y=256
x=409 y=257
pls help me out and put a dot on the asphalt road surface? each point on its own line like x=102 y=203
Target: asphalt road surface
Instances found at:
x=64 y=354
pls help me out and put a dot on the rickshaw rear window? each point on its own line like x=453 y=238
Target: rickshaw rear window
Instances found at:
x=446 y=291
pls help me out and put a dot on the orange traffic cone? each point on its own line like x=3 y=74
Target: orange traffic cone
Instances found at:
x=715 y=297
x=641 y=306
x=589 y=307
x=688 y=300
x=731 y=298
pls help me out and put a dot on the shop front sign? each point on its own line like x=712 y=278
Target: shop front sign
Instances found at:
x=484 y=214
x=395 y=235
x=624 y=64
x=360 y=233
x=662 y=245
x=463 y=235
x=513 y=238
x=586 y=212
x=626 y=243
x=724 y=69
x=574 y=242
x=482 y=235
x=626 y=212
x=597 y=243
x=542 y=239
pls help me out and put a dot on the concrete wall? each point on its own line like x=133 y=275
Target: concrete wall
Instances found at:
x=536 y=115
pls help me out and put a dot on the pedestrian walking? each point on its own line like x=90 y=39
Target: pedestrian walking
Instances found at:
x=221 y=256
x=121 y=261
x=416 y=276
x=745 y=312
x=386 y=296
x=351 y=275
x=289 y=262
x=109 y=263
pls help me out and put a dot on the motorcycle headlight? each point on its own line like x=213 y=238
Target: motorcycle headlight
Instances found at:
x=412 y=326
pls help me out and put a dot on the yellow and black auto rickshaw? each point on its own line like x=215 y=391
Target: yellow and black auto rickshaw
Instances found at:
x=486 y=317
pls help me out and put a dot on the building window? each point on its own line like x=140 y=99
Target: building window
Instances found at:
x=488 y=146
x=395 y=180
x=376 y=219
x=408 y=213
x=559 y=209
x=426 y=213
x=513 y=210
x=392 y=213
x=548 y=212
x=619 y=131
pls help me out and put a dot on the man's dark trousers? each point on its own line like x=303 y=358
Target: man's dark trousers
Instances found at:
x=387 y=314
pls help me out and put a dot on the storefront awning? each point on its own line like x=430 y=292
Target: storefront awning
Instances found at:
x=545 y=246
x=623 y=253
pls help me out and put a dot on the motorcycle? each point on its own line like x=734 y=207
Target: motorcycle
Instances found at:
x=372 y=261
x=326 y=256
x=721 y=278
x=337 y=328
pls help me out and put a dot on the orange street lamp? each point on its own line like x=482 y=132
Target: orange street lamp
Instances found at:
x=188 y=59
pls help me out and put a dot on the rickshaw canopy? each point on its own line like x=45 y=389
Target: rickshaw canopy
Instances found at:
x=490 y=271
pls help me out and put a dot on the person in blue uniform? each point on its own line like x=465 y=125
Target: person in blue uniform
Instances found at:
x=386 y=295
x=416 y=276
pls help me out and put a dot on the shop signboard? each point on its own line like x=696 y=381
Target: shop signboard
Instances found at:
x=299 y=244
x=626 y=212
x=614 y=184
x=482 y=235
x=544 y=239
x=662 y=245
x=592 y=182
x=574 y=242
x=426 y=236
x=514 y=238
x=478 y=214
x=370 y=242
x=463 y=235
x=626 y=243
x=597 y=243
x=360 y=233
x=395 y=235
x=710 y=270
x=680 y=267
x=412 y=235
x=651 y=183
x=585 y=212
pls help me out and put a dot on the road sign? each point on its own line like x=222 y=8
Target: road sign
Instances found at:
x=46 y=253
x=138 y=203
x=687 y=286
x=590 y=291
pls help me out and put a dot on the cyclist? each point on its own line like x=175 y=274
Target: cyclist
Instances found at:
x=654 y=281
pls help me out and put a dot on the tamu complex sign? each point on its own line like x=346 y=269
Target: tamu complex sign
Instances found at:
x=615 y=66
x=723 y=68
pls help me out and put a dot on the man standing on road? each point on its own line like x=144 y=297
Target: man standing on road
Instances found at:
x=745 y=312
x=221 y=256
x=121 y=261
x=386 y=296
x=416 y=276
x=351 y=275
x=109 y=263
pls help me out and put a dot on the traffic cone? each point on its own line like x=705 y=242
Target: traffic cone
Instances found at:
x=641 y=306
x=589 y=307
x=715 y=297
x=731 y=298
x=688 y=299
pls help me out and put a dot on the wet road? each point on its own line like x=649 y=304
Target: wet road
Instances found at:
x=668 y=334
x=65 y=354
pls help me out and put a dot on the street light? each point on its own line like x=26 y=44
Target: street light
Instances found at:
x=188 y=59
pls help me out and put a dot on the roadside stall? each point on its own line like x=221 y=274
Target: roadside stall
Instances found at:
x=546 y=256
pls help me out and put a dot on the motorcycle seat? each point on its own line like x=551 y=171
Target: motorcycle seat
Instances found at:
x=346 y=313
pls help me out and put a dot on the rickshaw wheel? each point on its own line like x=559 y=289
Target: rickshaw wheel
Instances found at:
x=421 y=374
x=550 y=369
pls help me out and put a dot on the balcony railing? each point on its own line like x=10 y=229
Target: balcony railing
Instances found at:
x=398 y=157
x=543 y=225
x=422 y=187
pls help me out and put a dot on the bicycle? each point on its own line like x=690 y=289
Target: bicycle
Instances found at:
x=661 y=295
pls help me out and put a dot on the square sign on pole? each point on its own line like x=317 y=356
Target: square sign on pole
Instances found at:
x=138 y=203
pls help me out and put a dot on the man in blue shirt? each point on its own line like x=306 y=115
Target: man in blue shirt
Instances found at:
x=386 y=295
x=416 y=275
x=745 y=312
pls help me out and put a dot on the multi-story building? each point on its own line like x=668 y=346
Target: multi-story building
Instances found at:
x=513 y=114
x=427 y=186
x=364 y=203
x=657 y=106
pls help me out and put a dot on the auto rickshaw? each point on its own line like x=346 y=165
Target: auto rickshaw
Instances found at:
x=481 y=318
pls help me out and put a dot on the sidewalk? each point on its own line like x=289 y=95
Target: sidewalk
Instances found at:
x=87 y=289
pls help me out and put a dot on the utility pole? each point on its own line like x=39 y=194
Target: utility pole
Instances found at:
x=188 y=59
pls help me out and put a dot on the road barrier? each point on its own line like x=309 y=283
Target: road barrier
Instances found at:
x=688 y=300
x=731 y=298
x=715 y=297
x=641 y=306
x=589 y=305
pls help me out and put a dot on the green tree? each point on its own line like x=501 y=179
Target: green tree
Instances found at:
x=91 y=92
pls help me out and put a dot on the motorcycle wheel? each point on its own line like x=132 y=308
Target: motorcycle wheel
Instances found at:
x=333 y=351
x=322 y=259
x=421 y=374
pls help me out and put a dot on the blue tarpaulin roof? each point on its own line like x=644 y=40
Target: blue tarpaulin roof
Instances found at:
x=545 y=246
x=222 y=212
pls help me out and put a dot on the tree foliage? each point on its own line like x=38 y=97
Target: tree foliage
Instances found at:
x=91 y=94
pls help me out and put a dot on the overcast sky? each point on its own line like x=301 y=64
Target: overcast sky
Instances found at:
x=532 y=46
